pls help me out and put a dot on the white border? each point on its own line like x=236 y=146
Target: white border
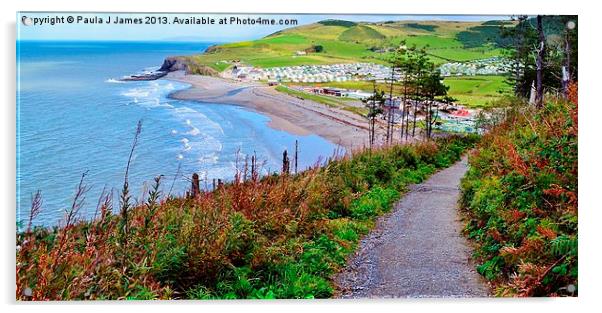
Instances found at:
x=589 y=156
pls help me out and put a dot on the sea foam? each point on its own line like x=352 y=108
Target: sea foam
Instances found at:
x=114 y=81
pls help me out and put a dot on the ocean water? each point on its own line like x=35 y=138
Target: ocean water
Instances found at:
x=74 y=117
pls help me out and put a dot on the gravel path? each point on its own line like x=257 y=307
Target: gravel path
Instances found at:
x=417 y=250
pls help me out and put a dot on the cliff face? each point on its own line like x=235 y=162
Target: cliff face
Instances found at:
x=213 y=49
x=172 y=64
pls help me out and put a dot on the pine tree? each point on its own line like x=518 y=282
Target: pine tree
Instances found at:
x=374 y=104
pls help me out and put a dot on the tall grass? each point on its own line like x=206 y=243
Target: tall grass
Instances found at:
x=278 y=236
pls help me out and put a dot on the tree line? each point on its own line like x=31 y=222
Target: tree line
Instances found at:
x=421 y=90
x=543 y=51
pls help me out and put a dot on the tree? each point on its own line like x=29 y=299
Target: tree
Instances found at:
x=413 y=62
x=422 y=83
x=518 y=53
x=523 y=38
x=558 y=57
x=447 y=99
x=391 y=106
x=374 y=104
x=403 y=59
x=541 y=52
x=432 y=87
x=569 y=46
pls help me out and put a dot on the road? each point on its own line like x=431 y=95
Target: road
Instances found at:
x=417 y=250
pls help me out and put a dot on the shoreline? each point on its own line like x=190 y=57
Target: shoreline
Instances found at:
x=286 y=113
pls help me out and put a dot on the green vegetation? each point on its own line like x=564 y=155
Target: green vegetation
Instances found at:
x=482 y=35
x=337 y=41
x=477 y=91
x=427 y=27
x=520 y=200
x=361 y=33
x=284 y=235
x=345 y=42
x=281 y=236
x=460 y=54
x=335 y=102
x=422 y=83
x=560 y=55
x=471 y=91
x=434 y=42
x=338 y=23
x=205 y=70
x=496 y=23
x=351 y=85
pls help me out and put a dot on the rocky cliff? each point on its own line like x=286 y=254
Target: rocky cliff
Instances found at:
x=172 y=64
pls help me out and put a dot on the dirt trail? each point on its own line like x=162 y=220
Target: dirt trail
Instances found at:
x=417 y=250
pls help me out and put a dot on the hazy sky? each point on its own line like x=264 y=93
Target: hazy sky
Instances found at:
x=212 y=33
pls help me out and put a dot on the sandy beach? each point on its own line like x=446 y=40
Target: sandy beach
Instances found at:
x=287 y=113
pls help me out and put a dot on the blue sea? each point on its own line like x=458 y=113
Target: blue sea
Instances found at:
x=74 y=116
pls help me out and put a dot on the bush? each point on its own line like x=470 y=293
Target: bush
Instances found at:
x=520 y=198
x=373 y=203
x=280 y=236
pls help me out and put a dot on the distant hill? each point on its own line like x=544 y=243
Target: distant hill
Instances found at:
x=361 y=34
x=346 y=41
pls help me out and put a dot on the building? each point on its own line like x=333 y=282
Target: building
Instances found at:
x=358 y=94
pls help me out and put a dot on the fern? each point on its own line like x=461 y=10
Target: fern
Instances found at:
x=564 y=245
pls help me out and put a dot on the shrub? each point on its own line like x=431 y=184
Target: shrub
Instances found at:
x=520 y=199
x=280 y=236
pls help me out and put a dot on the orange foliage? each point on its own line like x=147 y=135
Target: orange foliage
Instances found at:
x=516 y=160
x=514 y=216
x=546 y=232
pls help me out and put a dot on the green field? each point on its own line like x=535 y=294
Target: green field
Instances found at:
x=471 y=91
x=445 y=55
x=477 y=91
x=345 y=42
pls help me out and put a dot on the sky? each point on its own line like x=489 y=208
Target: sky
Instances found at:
x=209 y=33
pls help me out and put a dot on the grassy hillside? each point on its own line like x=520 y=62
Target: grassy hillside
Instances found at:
x=345 y=41
x=520 y=197
x=477 y=91
x=282 y=236
x=361 y=33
